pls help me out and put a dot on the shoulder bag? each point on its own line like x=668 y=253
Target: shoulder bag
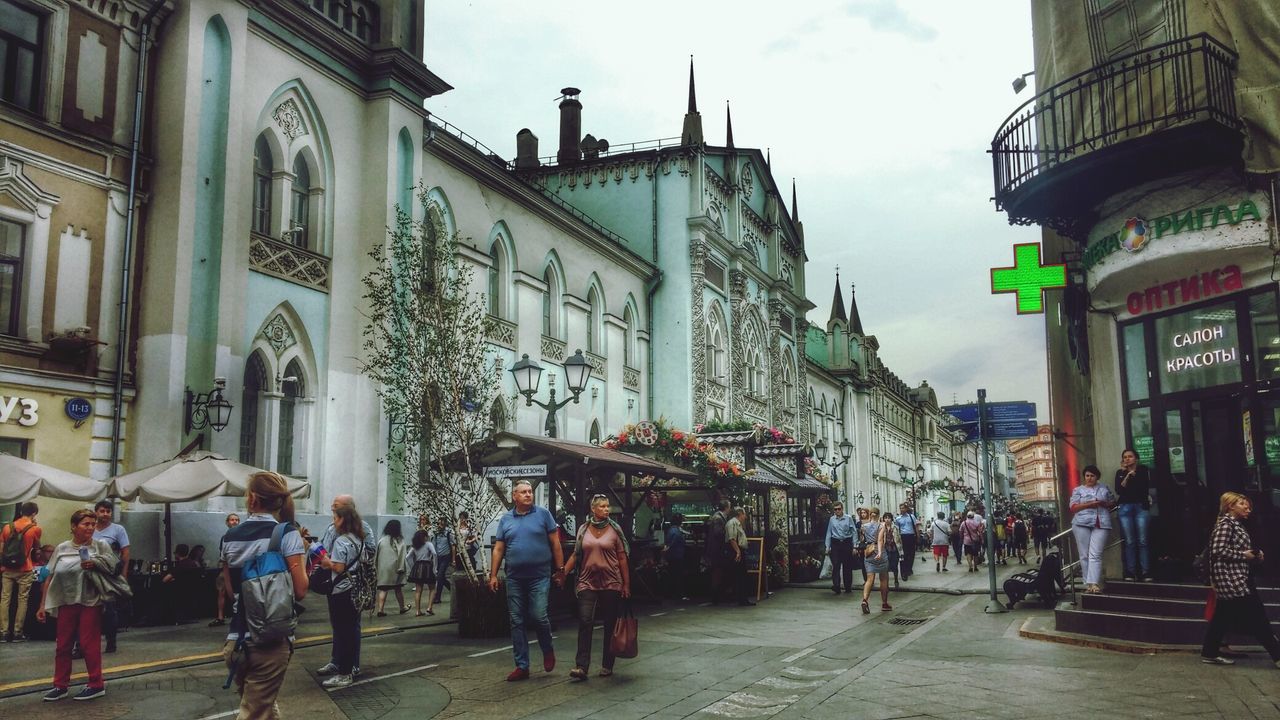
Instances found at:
x=623 y=642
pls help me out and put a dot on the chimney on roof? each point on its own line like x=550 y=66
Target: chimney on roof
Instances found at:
x=526 y=149
x=570 y=127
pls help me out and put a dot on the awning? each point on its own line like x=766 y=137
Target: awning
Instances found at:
x=508 y=448
x=767 y=473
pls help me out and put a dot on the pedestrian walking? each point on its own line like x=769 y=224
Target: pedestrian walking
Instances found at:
x=971 y=532
x=445 y=543
x=529 y=539
x=1236 y=603
x=892 y=543
x=344 y=619
x=875 y=559
x=859 y=544
x=604 y=580
x=736 y=539
x=1042 y=527
x=957 y=540
x=908 y=526
x=1019 y=538
x=673 y=552
x=327 y=540
x=390 y=560
x=219 y=583
x=76 y=599
x=716 y=554
x=1090 y=506
x=115 y=536
x=260 y=672
x=18 y=539
x=422 y=570
x=1133 y=510
x=839 y=541
x=941 y=531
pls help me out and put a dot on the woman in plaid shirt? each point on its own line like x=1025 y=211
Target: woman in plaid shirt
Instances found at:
x=1237 y=602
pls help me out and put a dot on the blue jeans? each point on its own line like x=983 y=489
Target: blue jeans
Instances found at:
x=1133 y=523
x=527 y=605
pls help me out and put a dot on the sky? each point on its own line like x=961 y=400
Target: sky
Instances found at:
x=881 y=111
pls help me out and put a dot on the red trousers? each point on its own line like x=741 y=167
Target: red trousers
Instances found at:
x=85 y=624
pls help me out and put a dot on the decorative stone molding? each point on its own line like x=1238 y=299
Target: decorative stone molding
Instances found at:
x=717 y=392
x=630 y=378
x=737 y=354
x=599 y=366
x=802 y=379
x=289 y=118
x=500 y=332
x=698 y=352
x=288 y=262
x=776 y=387
x=553 y=349
x=746 y=181
x=279 y=334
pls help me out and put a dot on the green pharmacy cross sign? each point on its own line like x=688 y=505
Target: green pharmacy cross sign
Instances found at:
x=1028 y=278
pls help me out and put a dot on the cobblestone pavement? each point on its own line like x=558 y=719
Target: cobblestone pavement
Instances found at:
x=801 y=653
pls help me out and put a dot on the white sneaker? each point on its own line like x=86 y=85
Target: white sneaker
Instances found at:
x=1217 y=661
x=328 y=669
x=337 y=681
x=355 y=672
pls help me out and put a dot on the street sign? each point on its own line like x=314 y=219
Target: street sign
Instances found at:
x=515 y=471
x=996 y=411
x=1011 y=429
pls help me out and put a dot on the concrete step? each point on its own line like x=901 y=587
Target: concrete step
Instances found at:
x=1136 y=627
x=1177 y=591
x=1156 y=606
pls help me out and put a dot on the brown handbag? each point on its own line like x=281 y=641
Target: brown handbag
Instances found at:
x=623 y=642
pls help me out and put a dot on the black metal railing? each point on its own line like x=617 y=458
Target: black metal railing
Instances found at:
x=1176 y=83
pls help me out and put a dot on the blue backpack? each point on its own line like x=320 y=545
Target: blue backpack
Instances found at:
x=266 y=594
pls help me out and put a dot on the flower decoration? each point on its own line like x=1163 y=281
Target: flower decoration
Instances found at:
x=681 y=448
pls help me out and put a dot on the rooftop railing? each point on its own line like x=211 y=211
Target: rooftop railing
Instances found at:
x=1177 y=83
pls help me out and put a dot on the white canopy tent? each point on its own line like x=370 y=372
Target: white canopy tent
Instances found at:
x=22 y=480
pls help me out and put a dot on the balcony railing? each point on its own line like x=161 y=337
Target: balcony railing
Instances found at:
x=288 y=262
x=357 y=18
x=1178 y=83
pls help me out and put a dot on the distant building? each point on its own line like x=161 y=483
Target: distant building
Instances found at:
x=1035 y=478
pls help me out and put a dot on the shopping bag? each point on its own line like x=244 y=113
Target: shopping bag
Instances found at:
x=825 y=572
x=623 y=642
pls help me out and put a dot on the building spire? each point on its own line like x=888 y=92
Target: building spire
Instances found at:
x=728 y=125
x=692 y=132
x=795 y=213
x=837 y=304
x=855 y=321
x=693 y=98
x=768 y=158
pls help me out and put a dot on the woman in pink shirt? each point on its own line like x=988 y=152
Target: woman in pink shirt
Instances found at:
x=603 y=579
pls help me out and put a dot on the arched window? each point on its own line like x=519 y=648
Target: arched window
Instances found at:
x=262 y=167
x=594 y=437
x=300 y=207
x=754 y=342
x=717 y=344
x=292 y=390
x=593 y=303
x=498 y=416
x=547 y=302
x=495 y=279
x=255 y=379
x=788 y=383
x=628 y=332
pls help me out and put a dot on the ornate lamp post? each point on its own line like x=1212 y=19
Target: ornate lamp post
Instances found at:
x=846 y=454
x=577 y=372
x=207 y=409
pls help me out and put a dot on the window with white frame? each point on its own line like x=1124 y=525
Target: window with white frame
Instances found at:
x=12 y=241
x=263 y=165
x=495 y=279
x=628 y=337
x=293 y=390
x=255 y=382
x=549 y=280
x=300 y=207
x=593 y=320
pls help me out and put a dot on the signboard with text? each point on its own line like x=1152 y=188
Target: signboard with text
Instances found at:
x=516 y=471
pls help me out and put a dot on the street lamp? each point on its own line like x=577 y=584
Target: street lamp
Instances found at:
x=846 y=452
x=860 y=498
x=527 y=373
x=208 y=409
x=875 y=499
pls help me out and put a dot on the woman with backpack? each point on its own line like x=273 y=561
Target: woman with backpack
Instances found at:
x=259 y=667
x=344 y=617
x=422 y=570
x=390 y=562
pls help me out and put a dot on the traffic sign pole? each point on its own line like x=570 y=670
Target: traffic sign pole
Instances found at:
x=993 y=604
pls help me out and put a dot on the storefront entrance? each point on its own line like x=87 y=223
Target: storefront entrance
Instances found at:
x=1203 y=400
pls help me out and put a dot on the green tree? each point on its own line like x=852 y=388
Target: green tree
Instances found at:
x=436 y=375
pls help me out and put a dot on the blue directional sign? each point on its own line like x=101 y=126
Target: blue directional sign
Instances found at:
x=1011 y=429
x=997 y=411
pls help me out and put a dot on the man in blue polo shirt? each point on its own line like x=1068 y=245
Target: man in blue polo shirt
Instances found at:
x=530 y=541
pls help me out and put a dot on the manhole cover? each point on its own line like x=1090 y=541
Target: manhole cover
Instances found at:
x=368 y=701
x=909 y=621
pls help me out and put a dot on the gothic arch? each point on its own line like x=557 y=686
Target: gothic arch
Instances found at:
x=553 y=271
x=439 y=202
x=293 y=124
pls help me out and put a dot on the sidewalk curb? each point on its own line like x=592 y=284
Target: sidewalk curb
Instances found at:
x=215 y=657
x=1031 y=631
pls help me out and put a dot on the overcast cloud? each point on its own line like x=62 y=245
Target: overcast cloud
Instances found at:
x=882 y=111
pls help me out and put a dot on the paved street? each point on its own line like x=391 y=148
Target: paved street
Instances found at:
x=802 y=653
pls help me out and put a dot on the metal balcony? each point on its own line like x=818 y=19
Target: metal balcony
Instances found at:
x=1149 y=114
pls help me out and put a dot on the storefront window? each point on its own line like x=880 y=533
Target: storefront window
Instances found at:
x=1198 y=348
x=1266 y=335
x=1135 y=362
x=1177 y=453
x=13 y=446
